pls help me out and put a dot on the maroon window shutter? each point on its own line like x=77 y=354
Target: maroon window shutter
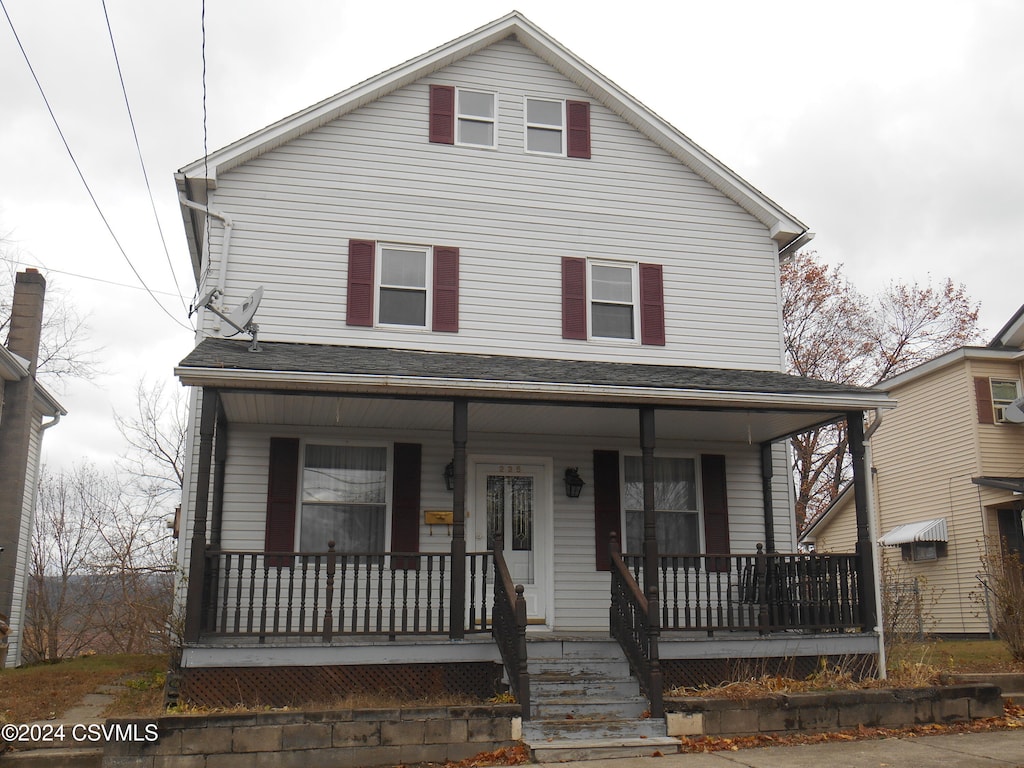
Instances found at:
x=716 y=510
x=446 y=289
x=577 y=118
x=574 y=298
x=405 y=504
x=983 y=396
x=607 y=505
x=282 y=494
x=360 y=282
x=652 y=305
x=442 y=114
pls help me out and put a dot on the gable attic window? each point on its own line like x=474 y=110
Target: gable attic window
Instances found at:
x=557 y=127
x=475 y=118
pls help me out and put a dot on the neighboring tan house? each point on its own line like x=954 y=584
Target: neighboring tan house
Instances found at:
x=948 y=467
x=24 y=404
x=507 y=313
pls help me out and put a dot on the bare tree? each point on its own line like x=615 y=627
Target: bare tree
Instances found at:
x=64 y=349
x=155 y=433
x=102 y=569
x=832 y=332
x=59 y=621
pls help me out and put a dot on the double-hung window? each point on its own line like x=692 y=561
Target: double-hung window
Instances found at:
x=475 y=118
x=545 y=126
x=613 y=300
x=675 y=504
x=404 y=285
x=344 y=498
x=1004 y=392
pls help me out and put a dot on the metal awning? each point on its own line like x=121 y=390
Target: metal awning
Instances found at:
x=1015 y=484
x=926 y=530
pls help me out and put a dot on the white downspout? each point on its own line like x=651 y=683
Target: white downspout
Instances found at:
x=222 y=274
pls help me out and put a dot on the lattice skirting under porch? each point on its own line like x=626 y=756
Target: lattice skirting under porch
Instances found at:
x=303 y=686
x=692 y=673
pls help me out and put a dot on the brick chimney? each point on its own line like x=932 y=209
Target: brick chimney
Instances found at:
x=16 y=425
x=27 y=316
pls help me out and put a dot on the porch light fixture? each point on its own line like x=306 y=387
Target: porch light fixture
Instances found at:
x=573 y=482
x=449 y=476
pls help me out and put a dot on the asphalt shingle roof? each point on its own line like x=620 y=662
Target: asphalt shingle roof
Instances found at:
x=233 y=354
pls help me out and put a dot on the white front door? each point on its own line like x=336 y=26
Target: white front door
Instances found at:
x=513 y=499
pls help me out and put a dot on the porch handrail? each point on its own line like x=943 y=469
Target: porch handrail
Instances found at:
x=325 y=594
x=509 y=628
x=635 y=623
x=765 y=592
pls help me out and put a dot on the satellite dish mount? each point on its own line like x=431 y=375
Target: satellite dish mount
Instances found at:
x=241 y=317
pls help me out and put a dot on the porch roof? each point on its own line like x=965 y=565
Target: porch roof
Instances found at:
x=322 y=368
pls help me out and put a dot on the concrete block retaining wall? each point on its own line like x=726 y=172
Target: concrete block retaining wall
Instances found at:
x=831 y=711
x=343 y=738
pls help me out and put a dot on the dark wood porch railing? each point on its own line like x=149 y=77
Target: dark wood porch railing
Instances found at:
x=509 y=629
x=330 y=594
x=764 y=592
x=634 y=623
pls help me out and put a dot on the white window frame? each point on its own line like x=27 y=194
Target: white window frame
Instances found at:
x=698 y=491
x=527 y=125
x=634 y=268
x=428 y=284
x=389 y=469
x=459 y=117
x=998 y=404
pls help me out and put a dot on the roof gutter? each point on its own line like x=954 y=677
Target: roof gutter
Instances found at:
x=196 y=376
x=789 y=250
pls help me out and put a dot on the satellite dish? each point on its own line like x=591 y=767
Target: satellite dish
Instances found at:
x=243 y=314
x=1014 y=412
x=241 y=318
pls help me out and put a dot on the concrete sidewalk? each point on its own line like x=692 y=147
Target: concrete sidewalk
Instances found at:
x=990 y=749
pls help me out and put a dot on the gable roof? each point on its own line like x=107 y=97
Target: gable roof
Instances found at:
x=788 y=231
x=1012 y=334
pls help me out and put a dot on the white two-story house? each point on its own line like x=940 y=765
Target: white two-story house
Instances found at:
x=508 y=313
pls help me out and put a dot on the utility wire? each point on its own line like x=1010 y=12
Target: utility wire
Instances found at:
x=142 y=163
x=83 y=277
x=81 y=175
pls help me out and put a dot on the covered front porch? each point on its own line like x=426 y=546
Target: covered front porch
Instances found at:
x=480 y=534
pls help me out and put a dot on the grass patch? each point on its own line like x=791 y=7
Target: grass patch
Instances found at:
x=957 y=656
x=46 y=691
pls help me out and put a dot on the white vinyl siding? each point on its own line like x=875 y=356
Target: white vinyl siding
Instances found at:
x=15 y=638
x=372 y=175
x=581 y=593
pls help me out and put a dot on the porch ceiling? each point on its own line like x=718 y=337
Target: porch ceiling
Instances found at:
x=330 y=410
x=322 y=385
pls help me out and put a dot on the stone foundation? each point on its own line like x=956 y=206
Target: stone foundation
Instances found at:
x=343 y=738
x=831 y=711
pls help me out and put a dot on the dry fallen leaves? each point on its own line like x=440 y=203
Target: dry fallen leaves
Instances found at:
x=1013 y=717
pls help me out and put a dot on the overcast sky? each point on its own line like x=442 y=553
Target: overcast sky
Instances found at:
x=894 y=129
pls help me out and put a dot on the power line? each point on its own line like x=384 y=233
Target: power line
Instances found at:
x=81 y=175
x=16 y=262
x=142 y=163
